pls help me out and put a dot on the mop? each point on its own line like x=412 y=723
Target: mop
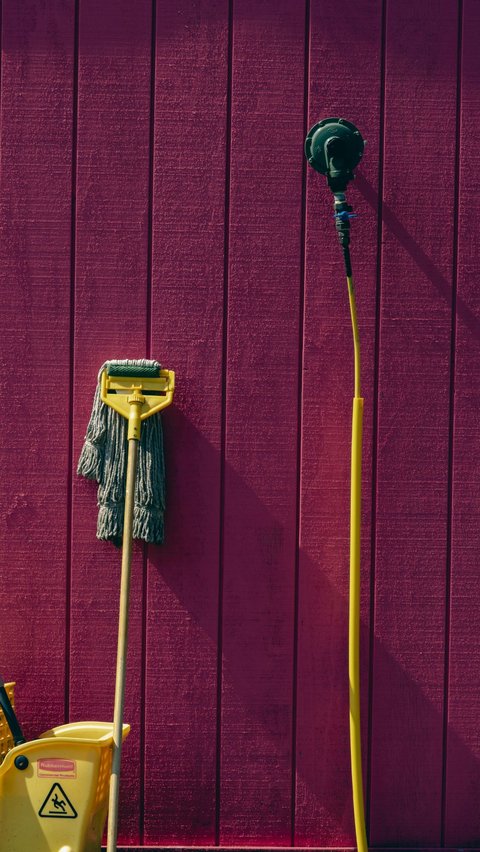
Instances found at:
x=132 y=486
x=104 y=458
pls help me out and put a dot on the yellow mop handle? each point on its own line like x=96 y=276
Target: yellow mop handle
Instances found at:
x=354 y=600
x=122 y=634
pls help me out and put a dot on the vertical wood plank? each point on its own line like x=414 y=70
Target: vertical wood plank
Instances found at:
x=345 y=81
x=462 y=818
x=36 y=151
x=414 y=384
x=110 y=322
x=187 y=331
x=261 y=422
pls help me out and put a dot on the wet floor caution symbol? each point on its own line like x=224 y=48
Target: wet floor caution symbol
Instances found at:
x=57 y=805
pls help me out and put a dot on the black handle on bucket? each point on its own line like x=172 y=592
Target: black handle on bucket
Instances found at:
x=9 y=714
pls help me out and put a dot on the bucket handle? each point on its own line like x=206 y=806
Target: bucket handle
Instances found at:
x=10 y=716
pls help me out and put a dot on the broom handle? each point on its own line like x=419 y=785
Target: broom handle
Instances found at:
x=122 y=645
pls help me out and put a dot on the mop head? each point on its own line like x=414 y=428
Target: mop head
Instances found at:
x=104 y=458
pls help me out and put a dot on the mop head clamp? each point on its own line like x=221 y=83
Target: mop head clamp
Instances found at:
x=136 y=392
x=124 y=386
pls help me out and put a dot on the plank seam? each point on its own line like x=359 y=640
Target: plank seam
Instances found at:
x=223 y=435
x=71 y=366
x=301 y=356
x=375 y=412
x=1 y=51
x=148 y=344
x=151 y=157
x=453 y=340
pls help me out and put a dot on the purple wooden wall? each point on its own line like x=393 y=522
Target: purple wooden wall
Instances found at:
x=154 y=201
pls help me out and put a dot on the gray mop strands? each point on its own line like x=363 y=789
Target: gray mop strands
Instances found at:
x=104 y=458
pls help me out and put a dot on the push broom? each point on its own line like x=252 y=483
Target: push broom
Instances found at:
x=136 y=390
x=334 y=147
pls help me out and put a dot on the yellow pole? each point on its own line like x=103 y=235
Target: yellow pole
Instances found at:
x=354 y=597
x=133 y=439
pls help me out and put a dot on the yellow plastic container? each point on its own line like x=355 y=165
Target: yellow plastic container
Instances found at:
x=59 y=801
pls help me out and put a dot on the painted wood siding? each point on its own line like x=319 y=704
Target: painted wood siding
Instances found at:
x=155 y=201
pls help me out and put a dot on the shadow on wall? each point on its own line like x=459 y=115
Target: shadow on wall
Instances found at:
x=393 y=224
x=327 y=796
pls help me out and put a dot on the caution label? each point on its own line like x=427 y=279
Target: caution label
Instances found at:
x=57 y=805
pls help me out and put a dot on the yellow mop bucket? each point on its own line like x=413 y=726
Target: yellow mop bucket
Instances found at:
x=54 y=790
